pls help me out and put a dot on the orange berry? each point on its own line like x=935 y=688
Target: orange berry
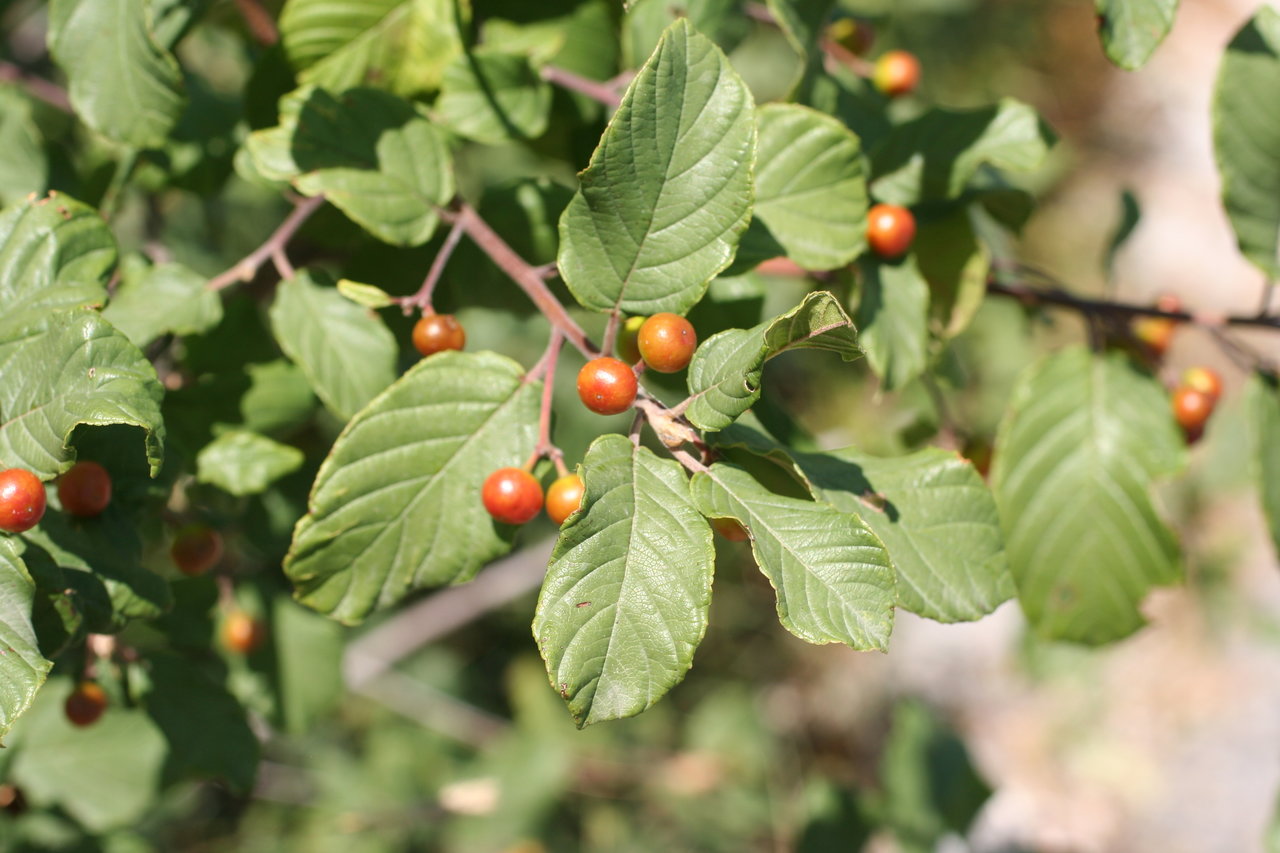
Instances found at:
x=86 y=703
x=85 y=490
x=196 y=549
x=667 y=342
x=435 y=333
x=896 y=73
x=890 y=230
x=607 y=386
x=512 y=495
x=564 y=497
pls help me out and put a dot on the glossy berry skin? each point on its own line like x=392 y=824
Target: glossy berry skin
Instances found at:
x=890 y=230
x=22 y=500
x=667 y=342
x=1191 y=409
x=86 y=704
x=241 y=633
x=512 y=495
x=85 y=490
x=730 y=529
x=607 y=386
x=628 y=347
x=435 y=333
x=196 y=549
x=896 y=73
x=1204 y=380
x=564 y=496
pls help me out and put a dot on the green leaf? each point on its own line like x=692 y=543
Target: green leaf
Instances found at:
x=802 y=22
x=832 y=574
x=104 y=776
x=1131 y=30
x=1075 y=457
x=722 y=21
x=936 y=155
x=1262 y=399
x=24 y=169
x=158 y=300
x=205 y=726
x=724 y=376
x=494 y=97
x=810 y=188
x=279 y=397
x=893 y=316
x=371 y=154
x=624 y=604
x=1246 y=135
x=320 y=331
x=76 y=370
x=120 y=81
x=956 y=264
x=368 y=295
x=244 y=463
x=55 y=254
x=396 y=506
x=1130 y=215
x=22 y=667
x=401 y=45
x=668 y=191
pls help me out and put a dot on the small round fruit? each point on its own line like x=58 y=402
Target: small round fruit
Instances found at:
x=607 y=386
x=627 y=347
x=1191 y=409
x=22 y=500
x=1204 y=380
x=730 y=529
x=86 y=703
x=435 y=333
x=564 y=496
x=667 y=342
x=241 y=633
x=196 y=549
x=512 y=495
x=896 y=73
x=890 y=230
x=85 y=490
x=1156 y=333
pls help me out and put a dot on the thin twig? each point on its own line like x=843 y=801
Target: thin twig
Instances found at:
x=546 y=368
x=1030 y=295
x=686 y=459
x=611 y=330
x=422 y=299
x=248 y=267
x=605 y=93
x=261 y=25
x=51 y=93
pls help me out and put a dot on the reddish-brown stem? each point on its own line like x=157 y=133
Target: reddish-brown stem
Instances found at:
x=546 y=368
x=261 y=25
x=273 y=248
x=280 y=259
x=422 y=299
x=841 y=54
x=522 y=274
x=611 y=330
x=37 y=87
x=686 y=459
x=605 y=93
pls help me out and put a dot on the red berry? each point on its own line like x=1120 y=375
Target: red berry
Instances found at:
x=1204 y=380
x=1191 y=409
x=890 y=230
x=196 y=549
x=564 y=496
x=730 y=529
x=86 y=703
x=22 y=500
x=627 y=347
x=607 y=386
x=896 y=73
x=85 y=490
x=667 y=342
x=241 y=633
x=435 y=333
x=512 y=495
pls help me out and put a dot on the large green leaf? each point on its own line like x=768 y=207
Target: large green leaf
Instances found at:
x=832 y=574
x=893 y=316
x=401 y=45
x=372 y=154
x=105 y=776
x=624 y=604
x=1132 y=29
x=320 y=330
x=78 y=369
x=724 y=376
x=396 y=506
x=157 y=300
x=120 y=81
x=1082 y=441
x=1262 y=397
x=935 y=156
x=24 y=169
x=956 y=264
x=22 y=667
x=810 y=188
x=722 y=21
x=668 y=191
x=494 y=97
x=55 y=254
x=245 y=463
x=1246 y=137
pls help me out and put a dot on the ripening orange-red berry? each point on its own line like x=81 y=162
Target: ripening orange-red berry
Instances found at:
x=512 y=495
x=435 y=333
x=564 y=497
x=890 y=230
x=86 y=703
x=607 y=386
x=196 y=549
x=896 y=73
x=85 y=490
x=666 y=342
x=242 y=633
x=22 y=500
